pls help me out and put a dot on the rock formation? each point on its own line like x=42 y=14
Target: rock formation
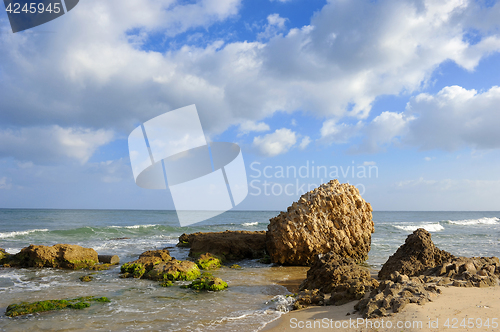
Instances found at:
x=58 y=256
x=393 y=295
x=228 y=245
x=415 y=256
x=342 y=277
x=331 y=218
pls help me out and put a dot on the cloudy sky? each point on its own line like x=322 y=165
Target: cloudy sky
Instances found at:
x=400 y=98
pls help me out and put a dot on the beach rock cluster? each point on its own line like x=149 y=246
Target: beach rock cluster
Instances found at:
x=159 y=265
x=307 y=298
x=415 y=256
x=342 y=277
x=67 y=256
x=331 y=218
x=228 y=245
x=207 y=282
x=392 y=296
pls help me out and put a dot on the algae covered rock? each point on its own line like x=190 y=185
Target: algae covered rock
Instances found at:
x=3 y=256
x=208 y=282
x=159 y=265
x=208 y=262
x=58 y=256
x=331 y=218
x=26 y=308
x=415 y=256
x=87 y=278
x=228 y=245
x=174 y=270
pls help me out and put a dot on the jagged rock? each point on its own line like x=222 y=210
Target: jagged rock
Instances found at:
x=309 y=297
x=68 y=256
x=480 y=271
x=415 y=256
x=342 y=277
x=229 y=245
x=331 y=218
x=391 y=297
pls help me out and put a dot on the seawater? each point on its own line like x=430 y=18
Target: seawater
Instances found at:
x=250 y=302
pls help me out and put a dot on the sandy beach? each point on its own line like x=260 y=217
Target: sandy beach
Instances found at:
x=456 y=309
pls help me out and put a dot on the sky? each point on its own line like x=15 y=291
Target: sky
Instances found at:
x=399 y=98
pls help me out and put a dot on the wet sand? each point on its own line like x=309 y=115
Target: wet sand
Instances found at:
x=456 y=309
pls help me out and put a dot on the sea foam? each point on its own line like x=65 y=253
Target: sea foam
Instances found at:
x=428 y=227
x=250 y=223
x=480 y=221
x=19 y=233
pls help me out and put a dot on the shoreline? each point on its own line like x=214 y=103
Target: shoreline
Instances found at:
x=447 y=311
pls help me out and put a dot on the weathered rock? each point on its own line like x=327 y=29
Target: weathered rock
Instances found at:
x=58 y=256
x=109 y=259
x=3 y=256
x=229 y=245
x=173 y=270
x=342 y=277
x=86 y=278
x=159 y=265
x=208 y=282
x=208 y=262
x=331 y=218
x=415 y=256
x=307 y=298
x=391 y=297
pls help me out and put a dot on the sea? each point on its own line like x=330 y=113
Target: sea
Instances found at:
x=254 y=297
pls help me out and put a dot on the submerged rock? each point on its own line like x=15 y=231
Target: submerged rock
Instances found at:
x=25 y=308
x=58 y=256
x=342 y=277
x=229 y=245
x=415 y=256
x=331 y=218
x=208 y=282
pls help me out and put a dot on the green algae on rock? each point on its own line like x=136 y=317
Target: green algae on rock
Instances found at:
x=235 y=266
x=167 y=283
x=86 y=278
x=26 y=308
x=208 y=262
x=4 y=256
x=159 y=265
x=208 y=282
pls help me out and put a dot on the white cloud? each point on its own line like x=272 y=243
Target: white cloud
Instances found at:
x=44 y=144
x=94 y=74
x=369 y=163
x=275 y=143
x=275 y=24
x=305 y=142
x=249 y=126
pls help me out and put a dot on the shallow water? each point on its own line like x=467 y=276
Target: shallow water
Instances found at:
x=143 y=305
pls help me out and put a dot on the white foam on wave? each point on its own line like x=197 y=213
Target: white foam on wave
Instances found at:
x=428 y=227
x=250 y=223
x=135 y=226
x=480 y=221
x=19 y=233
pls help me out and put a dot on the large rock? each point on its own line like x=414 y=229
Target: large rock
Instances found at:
x=229 y=245
x=68 y=256
x=342 y=277
x=415 y=256
x=331 y=218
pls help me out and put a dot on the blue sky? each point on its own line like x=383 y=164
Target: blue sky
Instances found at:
x=407 y=90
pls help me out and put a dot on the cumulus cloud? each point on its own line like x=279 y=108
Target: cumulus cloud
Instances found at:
x=275 y=143
x=275 y=24
x=45 y=144
x=249 y=126
x=97 y=71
